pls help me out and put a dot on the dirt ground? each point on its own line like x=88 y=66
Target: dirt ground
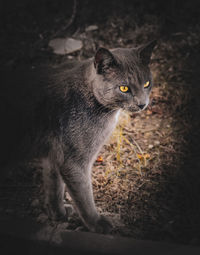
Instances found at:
x=147 y=177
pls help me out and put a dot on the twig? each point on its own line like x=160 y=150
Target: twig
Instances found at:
x=71 y=20
x=137 y=145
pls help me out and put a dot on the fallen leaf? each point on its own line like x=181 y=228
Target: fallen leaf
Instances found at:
x=143 y=156
x=148 y=112
x=99 y=159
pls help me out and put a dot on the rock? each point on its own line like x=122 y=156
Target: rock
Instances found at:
x=91 y=28
x=157 y=142
x=64 y=46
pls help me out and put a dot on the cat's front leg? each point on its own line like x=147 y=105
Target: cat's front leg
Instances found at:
x=54 y=189
x=79 y=186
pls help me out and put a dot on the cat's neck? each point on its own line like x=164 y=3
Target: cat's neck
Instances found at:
x=90 y=74
x=88 y=88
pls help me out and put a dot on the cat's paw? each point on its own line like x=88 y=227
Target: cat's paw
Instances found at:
x=69 y=210
x=57 y=214
x=103 y=225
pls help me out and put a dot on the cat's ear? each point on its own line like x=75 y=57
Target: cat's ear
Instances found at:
x=104 y=61
x=145 y=52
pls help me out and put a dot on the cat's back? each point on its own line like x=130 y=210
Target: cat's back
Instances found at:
x=23 y=88
x=24 y=93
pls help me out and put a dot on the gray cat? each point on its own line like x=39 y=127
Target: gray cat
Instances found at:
x=63 y=116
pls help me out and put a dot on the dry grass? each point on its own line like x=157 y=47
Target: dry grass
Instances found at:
x=135 y=148
x=141 y=163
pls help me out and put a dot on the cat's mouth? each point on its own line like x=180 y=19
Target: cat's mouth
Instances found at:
x=136 y=108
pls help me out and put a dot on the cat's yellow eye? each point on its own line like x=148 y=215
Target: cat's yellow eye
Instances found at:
x=124 y=89
x=146 y=85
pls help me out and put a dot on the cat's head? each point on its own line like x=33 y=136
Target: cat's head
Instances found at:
x=123 y=78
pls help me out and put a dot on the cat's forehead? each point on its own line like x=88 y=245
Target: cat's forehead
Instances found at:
x=125 y=54
x=130 y=65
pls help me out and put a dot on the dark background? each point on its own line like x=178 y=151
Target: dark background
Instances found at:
x=27 y=26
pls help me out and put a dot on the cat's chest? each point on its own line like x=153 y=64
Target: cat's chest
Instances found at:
x=97 y=133
x=105 y=126
x=87 y=131
x=96 y=128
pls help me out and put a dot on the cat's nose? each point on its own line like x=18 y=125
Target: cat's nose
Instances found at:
x=141 y=106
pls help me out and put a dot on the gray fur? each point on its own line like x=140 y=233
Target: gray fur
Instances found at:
x=62 y=117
